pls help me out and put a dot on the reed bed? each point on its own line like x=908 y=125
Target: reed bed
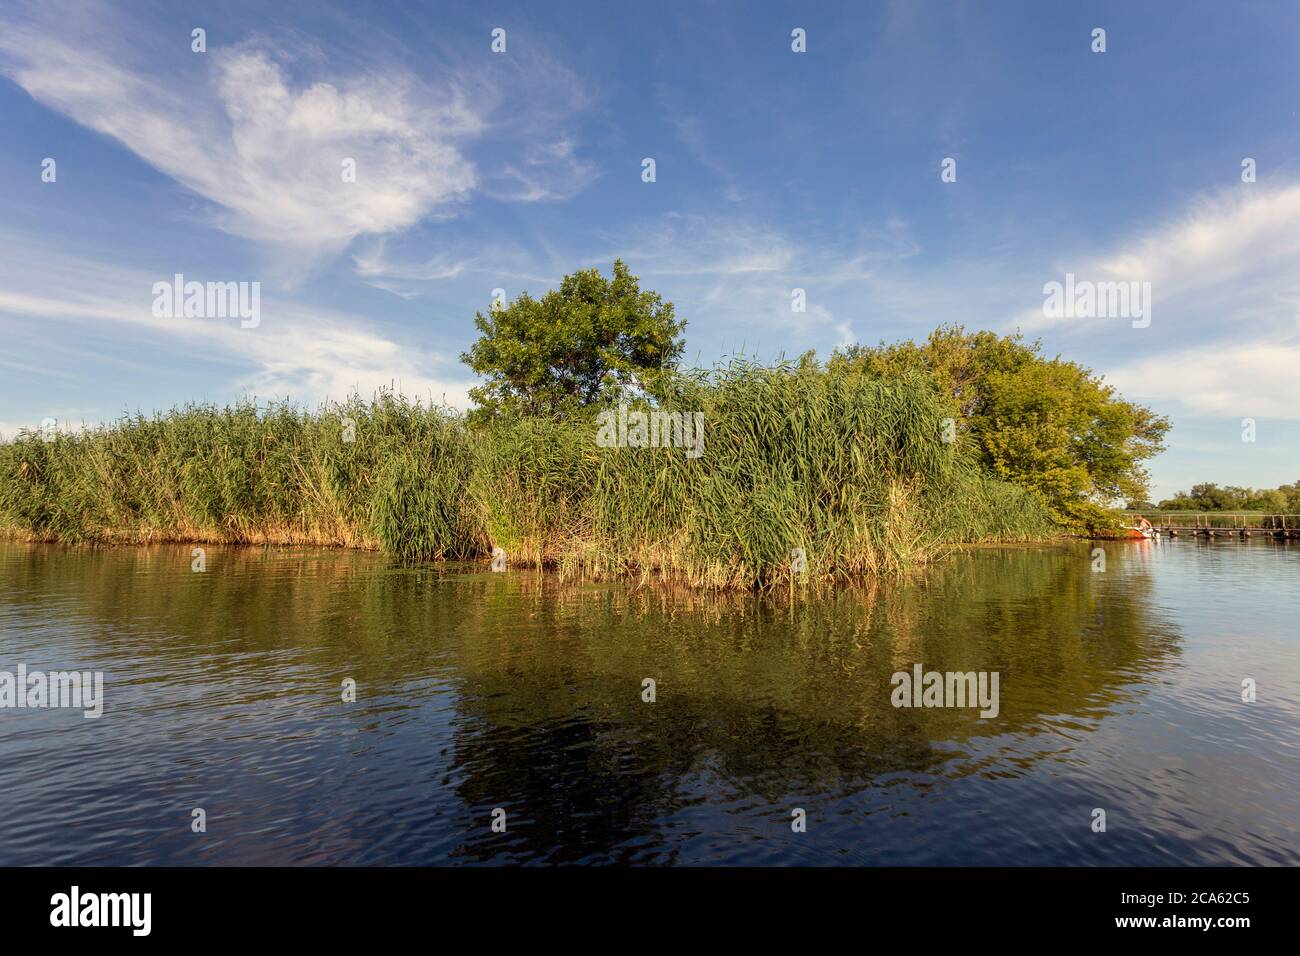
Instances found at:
x=851 y=469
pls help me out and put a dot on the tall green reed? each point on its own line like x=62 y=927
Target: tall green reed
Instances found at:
x=851 y=469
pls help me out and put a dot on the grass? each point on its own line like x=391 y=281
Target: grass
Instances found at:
x=851 y=469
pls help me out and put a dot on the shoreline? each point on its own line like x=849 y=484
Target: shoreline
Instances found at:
x=564 y=571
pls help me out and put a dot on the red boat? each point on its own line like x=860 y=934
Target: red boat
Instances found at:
x=1127 y=534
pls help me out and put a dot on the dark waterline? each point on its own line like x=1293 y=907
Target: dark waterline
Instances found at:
x=1119 y=690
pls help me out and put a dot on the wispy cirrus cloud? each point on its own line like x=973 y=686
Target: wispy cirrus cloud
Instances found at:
x=373 y=262
x=298 y=350
x=268 y=153
x=403 y=266
x=547 y=172
x=744 y=271
x=1227 y=265
x=1254 y=379
x=262 y=130
x=694 y=244
x=1225 y=275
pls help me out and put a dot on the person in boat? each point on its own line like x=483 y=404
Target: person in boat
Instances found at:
x=1143 y=525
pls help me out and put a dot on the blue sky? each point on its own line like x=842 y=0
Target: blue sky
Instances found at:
x=775 y=170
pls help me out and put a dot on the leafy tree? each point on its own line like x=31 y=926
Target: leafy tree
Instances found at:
x=1208 y=496
x=554 y=355
x=1046 y=424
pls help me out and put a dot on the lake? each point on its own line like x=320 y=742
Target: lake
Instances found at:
x=1120 y=690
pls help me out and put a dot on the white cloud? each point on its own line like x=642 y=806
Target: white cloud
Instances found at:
x=1243 y=381
x=1224 y=274
x=305 y=352
x=1223 y=238
x=547 y=172
x=374 y=263
x=268 y=151
x=1230 y=264
x=261 y=129
x=682 y=244
x=402 y=266
x=740 y=273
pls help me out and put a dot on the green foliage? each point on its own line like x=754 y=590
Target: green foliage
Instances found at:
x=1045 y=424
x=851 y=468
x=529 y=479
x=416 y=508
x=1208 y=496
x=248 y=474
x=557 y=354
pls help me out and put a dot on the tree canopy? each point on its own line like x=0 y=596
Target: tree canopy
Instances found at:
x=1046 y=424
x=1209 y=496
x=554 y=355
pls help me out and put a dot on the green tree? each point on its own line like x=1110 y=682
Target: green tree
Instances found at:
x=554 y=355
x=1209 y=496
x=1046 y=424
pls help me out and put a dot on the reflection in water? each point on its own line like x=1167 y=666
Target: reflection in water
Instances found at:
x=476 y=691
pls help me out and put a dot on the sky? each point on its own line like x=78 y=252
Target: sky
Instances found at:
x=774 y=170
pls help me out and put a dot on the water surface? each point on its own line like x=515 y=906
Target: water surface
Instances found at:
x=1119 y=690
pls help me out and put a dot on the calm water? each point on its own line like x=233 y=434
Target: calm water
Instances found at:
x=1119 y=690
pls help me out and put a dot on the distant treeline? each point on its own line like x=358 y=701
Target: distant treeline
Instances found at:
x=1208 y=496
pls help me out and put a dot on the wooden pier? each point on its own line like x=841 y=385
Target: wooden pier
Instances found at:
x=1238 y=524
